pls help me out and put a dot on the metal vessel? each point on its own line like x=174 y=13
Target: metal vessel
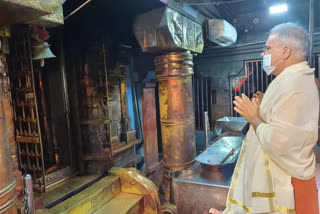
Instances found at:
x=224 y=151
x=226 y=124
x=196 y=190
x=205 y=184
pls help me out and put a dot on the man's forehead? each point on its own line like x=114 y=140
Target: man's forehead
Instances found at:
x=271 y=39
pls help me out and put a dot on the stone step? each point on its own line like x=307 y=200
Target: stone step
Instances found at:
x=123 y=203
x=64 y=190
x=91 y=198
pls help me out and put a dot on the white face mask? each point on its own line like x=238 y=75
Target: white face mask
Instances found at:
x=266 y=63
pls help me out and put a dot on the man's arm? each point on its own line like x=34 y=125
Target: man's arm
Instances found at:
x=289 y=137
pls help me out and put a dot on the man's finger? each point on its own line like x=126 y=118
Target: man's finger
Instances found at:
x=240 y=107
x=260 y=95
x=239 y=99
x=235 y=102
x=238 y=110
x=245 y=98
x=256 y=103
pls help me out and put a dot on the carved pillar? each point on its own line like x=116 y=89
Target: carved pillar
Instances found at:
x=7 y=103
x=7 y=181
x=174 y=72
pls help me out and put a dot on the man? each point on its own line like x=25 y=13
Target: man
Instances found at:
x=275 y=169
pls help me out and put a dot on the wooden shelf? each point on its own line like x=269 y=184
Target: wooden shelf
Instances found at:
x=128 y=146
x=94 y=122
x=96 y=157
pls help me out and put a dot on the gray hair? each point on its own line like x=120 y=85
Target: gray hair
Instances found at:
x=292 y=35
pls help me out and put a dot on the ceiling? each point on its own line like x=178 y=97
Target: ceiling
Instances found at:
x=249 y=17
x=252 y=16
x=114 y=17
x=226 y=9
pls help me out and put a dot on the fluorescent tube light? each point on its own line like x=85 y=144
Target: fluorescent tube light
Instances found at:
x=278 y=8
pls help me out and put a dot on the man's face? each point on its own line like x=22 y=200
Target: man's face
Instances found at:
x=275 y=50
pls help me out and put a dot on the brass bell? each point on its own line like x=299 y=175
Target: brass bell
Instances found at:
x=42 y=51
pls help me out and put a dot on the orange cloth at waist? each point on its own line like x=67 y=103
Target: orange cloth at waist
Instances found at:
x=305 y=196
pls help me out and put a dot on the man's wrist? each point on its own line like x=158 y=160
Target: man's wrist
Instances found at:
x=256 y=121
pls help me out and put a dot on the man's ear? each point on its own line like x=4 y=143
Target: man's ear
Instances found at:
x=286 y=52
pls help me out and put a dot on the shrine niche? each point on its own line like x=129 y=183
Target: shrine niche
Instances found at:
x=106 y=137
x=38 y=149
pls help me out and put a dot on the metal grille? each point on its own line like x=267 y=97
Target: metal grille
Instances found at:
x=201 y=100
x=253 y=80
x=316 y=61
x=26 y=115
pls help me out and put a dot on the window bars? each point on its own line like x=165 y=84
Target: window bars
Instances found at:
x=316 y=61
x=201 y=99
x=254 y=79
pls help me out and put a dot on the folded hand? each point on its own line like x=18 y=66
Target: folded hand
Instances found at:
x=258 y=96
x=247 y=108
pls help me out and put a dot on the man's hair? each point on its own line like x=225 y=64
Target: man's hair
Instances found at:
x=292 y=35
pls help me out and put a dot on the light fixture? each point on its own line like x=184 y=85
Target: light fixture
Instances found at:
x=278 y=8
